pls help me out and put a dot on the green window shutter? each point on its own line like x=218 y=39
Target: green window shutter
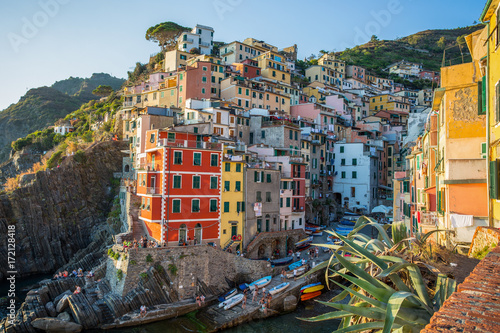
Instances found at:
x=493 y=179
x=483 y=96
x=439 y=201
x=243 y=206
x=256 y=176
x=497 y=90
x=226 y=207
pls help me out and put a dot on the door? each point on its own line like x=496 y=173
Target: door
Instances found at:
x=234 y=231
x=293 y=224
x=198 y=233
x=152 y=184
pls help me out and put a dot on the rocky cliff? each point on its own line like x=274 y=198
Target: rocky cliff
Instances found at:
x=62 y=212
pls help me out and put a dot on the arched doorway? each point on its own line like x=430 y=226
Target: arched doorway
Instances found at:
x=182 y=233
x=262 y=251
x=198 y=234
x=126 y=168
x=275 y=248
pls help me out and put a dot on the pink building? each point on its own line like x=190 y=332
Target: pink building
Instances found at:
x=356 y=72
x=429 y=75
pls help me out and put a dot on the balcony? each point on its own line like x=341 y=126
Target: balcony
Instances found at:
x=205 y=44
x=189 y=144
x=188 y=40
x=297 y=209
x=153 y=190
x=128 y=104
x=149 y=166
x=429 y=219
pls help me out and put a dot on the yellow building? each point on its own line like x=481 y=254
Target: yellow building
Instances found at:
x=168 y=92
x=329 y=61
x=272 y=65
x=324 y=75
x=489 y=77
x=232 y=200
x=388 y=102
x=174 y=59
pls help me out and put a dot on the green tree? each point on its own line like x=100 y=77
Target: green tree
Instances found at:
x=195 y=50
x=102 y=91
x=441 y=43
x=374 y=38
x=165 y=34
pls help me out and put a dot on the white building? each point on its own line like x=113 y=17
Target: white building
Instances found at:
x=356 y=176
x=201 y=37
x=237 y=52
x=63 y=128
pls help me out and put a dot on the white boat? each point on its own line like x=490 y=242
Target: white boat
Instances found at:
x=317 y=233
x=226 y=301
x=279 y=288
x=233 y=301
x=260 y=283
x=300 y=270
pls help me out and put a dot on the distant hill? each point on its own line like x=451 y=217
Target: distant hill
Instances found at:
x=41 y=107
x=426 y=47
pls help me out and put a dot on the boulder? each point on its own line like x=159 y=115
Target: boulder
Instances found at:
x=54 y=325
x=51 y=309
x=290 y=303
x=58 y=298
x=64 y=316
x=62 y=304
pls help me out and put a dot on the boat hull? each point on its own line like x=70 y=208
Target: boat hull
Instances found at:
x=305 y=297
x=313 y=289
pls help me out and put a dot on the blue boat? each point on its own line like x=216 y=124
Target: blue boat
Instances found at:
x=243 y=286
x=345 y=227
x=343 y=232
x=282 y=261
x=347 y=222
x=295 y=265
x=228 y=295
x=309 y=286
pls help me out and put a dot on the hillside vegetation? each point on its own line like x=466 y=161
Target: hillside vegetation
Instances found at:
x=426 y=47
x=41 y=107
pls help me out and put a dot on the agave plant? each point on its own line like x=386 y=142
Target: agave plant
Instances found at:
x=387 y=292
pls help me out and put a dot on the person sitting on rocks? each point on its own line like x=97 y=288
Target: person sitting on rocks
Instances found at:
x=255 y=293
x=244 y=299
x=80 y=272
x=198 y=301
x=143 y=311
x=65 y=274
x=60 y=275
x=78 y=290
x=74 y=273
x=283 y=275
x=202 y=298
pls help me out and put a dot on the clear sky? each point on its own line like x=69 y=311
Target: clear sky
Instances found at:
x=43 y=41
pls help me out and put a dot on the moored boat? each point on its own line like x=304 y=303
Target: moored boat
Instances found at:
x=233 y=301
x=309 y=286
x=313 y=289
x=300 y=270
x=279 y=288
x=305 y=297
x=228 y=295
x=296 y=264
x=282 y=261
x=260 y=282
x=317 y=233
x=304 y=242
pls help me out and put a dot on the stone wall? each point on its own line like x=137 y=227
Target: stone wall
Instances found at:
x=266 y=243
x=484 y=237
x=191 y=270
x=474 y=307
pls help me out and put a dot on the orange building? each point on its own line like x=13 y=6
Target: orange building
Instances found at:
x=180 y=187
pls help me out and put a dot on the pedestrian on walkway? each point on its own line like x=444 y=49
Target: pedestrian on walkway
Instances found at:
x=244 y=300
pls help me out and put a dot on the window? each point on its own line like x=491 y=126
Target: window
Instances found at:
x=237 y=186
x=226 y=207
x=268 y=177
x=290 y=135
x=288 y=202
x=259 y=225
x=263 y=134
x=195 y=205
x=177 y=157
x=258 y=196
x=171 y=137
x=204 y=79
x=353 y=192
x=238 y=167
x=354 y=175
x=227 y=185
x=268 y=197
x=494 y=179
x=196 y=182
x=213 y=205
x=281 y=202
x=343 y=174
x=227 y=167
x=341 y=149
x=177 y=182
x=342 y=161
x=214 y=160
x=196 y=158
x=176 y=206
x=213 y=182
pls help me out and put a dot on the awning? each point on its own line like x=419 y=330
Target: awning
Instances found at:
x=386 y=187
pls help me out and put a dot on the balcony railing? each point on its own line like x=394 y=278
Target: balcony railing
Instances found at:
x=153 y=190
x=148 y=166
x=429 y=219
x=189 y=144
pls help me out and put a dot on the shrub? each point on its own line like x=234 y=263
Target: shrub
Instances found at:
x=119 y=274
x=159 y=268
x=80 y=156
x=111 y=253
x=143 y=275
x=172 y=269
x=54 y=159
x=117 y=256
x=133 y=262
x=149 y=258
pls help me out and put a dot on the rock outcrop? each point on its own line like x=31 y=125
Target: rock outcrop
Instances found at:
x=62 y=212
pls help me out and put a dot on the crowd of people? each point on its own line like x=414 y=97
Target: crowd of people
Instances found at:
x=142 y=243
x=73 y=274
